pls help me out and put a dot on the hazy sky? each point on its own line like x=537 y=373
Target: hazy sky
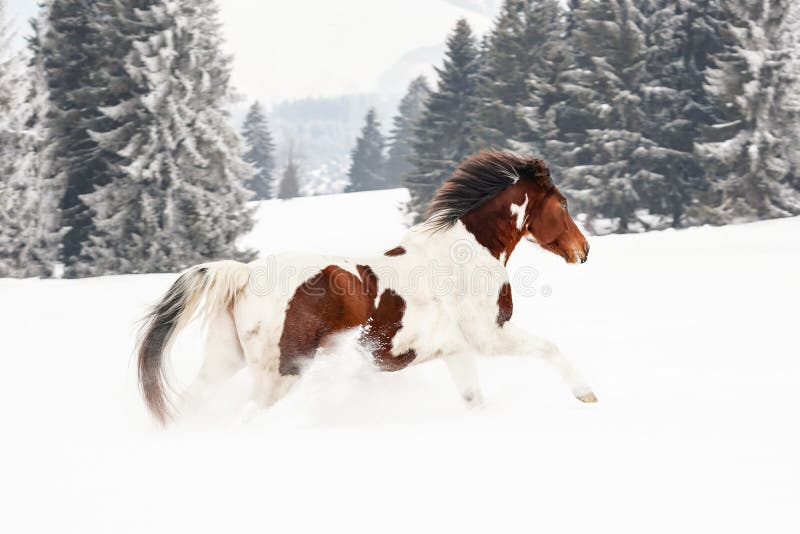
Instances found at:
x=288 y=49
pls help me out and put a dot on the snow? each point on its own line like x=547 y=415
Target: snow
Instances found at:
x=687 y=337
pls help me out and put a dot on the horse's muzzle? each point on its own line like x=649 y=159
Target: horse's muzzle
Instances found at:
x=582 y=256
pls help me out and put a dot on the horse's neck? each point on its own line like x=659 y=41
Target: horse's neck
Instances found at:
x=457 y=244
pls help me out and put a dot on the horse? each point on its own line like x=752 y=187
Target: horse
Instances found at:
x=442 y=293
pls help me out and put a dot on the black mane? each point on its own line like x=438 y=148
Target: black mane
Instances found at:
x=478 y=179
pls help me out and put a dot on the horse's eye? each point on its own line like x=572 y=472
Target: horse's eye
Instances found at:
x=564 y=204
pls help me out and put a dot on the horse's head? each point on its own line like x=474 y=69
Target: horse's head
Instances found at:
x=502 y=197
x=551 y=226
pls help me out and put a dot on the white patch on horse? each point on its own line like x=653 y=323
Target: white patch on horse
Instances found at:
x=520 y=210
x=503 y=257
x=438 y=320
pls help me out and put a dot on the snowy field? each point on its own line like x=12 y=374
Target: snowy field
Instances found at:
x=689 y=339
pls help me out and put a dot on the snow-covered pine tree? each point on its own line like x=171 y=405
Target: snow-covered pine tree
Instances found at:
x=77 y=69
x=260 y=152
x=680 y=38
x=524 y=57
x=179 y=200
x=289 y=186
x=553 y=57
x=29 y=235
x=615 y=179
x=368 y=167
x=505 y=75
x=752 y=77
x=123 y=238
x=398 y=163
x=665 y=100
x=445 y=134
x=789 y=99
x=11 y=97
x=569 y=117
x=483 y=132
x=211 y=199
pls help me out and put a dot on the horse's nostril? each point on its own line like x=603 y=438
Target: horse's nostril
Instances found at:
x=586 y=248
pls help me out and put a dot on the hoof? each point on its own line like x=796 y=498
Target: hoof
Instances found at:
x=474 y=400
x=588 y=398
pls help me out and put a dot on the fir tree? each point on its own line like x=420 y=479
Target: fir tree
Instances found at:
x=681 y=36
x=789 y=99
x=549 y=59
x=123 y=237
x=260 y=152
x=447 y=131
x=523 y=59
x=367 y=171
x=79 y=69
x=178 y=200
x=570 y=116
x=753 y=164
x=505 y=74
x=398 y=164
x=29 y=235
x=11 y=98
x=615 y=180
x=290 y=181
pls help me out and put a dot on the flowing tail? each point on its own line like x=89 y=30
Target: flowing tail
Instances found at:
x=212 y=286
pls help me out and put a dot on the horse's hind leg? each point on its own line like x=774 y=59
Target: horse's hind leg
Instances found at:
x=222 y=358
x=269 y=387
x=270 y=384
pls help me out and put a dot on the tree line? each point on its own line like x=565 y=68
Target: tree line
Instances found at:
x=117 y=153
x=117 y=148
x=652 y=113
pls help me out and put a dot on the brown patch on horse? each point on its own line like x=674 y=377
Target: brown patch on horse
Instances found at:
x=493 y=225
x=329 y=302
x=396 y=251
x=505 y=305
x=369 y=280
x=379 y=332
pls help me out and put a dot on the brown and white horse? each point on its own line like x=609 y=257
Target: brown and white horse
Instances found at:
x=443 y=292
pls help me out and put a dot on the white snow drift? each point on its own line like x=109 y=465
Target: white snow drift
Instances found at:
x=688 y=337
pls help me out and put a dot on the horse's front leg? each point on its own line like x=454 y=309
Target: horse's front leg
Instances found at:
x=512 y=340
x=464 y=373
